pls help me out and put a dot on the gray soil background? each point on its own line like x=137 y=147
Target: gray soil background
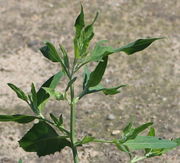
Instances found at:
x=153 y=75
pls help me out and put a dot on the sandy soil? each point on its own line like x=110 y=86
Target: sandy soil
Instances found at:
x=153 y=75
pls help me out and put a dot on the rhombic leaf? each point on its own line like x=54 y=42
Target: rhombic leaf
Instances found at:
x=143 y=142
x=43 y=140
x=17 y=118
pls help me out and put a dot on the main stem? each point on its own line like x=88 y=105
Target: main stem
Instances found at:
x=73 y=125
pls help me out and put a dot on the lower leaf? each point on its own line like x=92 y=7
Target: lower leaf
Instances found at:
x=43 y=140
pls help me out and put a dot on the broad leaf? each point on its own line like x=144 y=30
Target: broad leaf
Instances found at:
x=49 y=51
x=52 y=82
x=96 y=76
x=18 y=91
x=177 y=140
x=143 y=142
x=43 y=140
x=17 y=118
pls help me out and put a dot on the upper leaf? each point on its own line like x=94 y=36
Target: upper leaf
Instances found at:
x=49 y=51
x=42 y=95
x=100 y=50
x=79 y=23
x=17 y=118
x=18 y=91
x=137 y=45
x=142 y=142
x=43 y=140
x=96 y=76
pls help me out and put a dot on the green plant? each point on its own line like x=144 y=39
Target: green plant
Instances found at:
x=49 y=135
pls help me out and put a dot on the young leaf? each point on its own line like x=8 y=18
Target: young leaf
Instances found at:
x=87 y=35
x=49 y=51
x=57 y=121
x=34 y=95
x=54 y=94
x=143 y=142
x=86 y=75
x=43 y=140
x=134 y=133
x=18 y=92
x=17 y=118
x=85 y=140
x=65 y=56
x=96 y=76
x=79 y=25
x=106 y=91
x=70 y=83
x=137 y=45
x=127 y=129
x=151 y=132
x=42 y=95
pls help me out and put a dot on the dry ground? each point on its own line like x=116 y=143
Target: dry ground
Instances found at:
x=152 y=75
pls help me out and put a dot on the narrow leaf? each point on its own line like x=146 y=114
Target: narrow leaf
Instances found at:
x=43 y=140
x=96 y=76
x=54 y=94
x=18 y=92
x=70 y=83
x=17 y=118
x=137 y=45
x=65 y=56
x=142 y=142
x=49 y=51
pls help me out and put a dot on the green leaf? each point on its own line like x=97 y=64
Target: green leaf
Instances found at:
x=18 y=92
x=134 y=132
x=70 y=83
x=54 y=94
x=49 y=51
x=87 y=35
x=177 y=140
x=43 y=140
x=136 y=46
x=86 y=75
x=34 y=95
x=85 y=140
x=151 y=132
x=106 y=91
x=101 y=51
x=57 y=121
x=79 y=23
x=127 y=129
x=17 y=118
x=42 y=95
x=143 y=142
x=65 y=56
x=96 y=76
x=20 y=161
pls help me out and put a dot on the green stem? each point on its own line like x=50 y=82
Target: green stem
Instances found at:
x=73 y=125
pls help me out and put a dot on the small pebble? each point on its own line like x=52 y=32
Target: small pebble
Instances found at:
x=115 y=132
x=110 y=117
